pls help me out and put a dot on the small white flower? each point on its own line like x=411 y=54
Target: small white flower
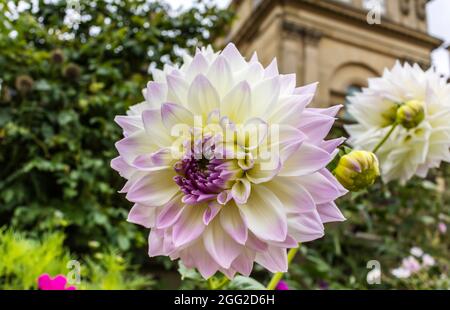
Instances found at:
x=412 y=264
x=428 y=260
x=416 y=251
x=401 y=273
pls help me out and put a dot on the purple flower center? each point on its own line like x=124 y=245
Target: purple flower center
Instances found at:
x=201 y=179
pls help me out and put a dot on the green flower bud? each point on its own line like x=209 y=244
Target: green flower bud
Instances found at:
x=390 y=115
x=411 y=114
x=357 y=170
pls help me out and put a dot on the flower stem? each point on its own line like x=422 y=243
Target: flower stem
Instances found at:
x=215 y=284
x=277 y=276
x=380 y=144
x=222 y=283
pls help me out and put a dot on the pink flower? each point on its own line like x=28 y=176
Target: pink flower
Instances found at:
x=428 y=260
x=58 y=283
x=220 y=201
x=282 y=286
x=442 y=228
x=412 y=264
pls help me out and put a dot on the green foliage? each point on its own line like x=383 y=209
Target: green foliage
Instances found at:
x=383 y=223
x=61 y=87
x=110 y=271
x=24 y=259
x=245 y=283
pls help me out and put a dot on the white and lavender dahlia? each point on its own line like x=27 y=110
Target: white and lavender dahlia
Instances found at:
x=418 y=102
x=226 y=164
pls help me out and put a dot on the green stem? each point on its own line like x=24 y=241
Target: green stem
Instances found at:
x=277 y=276
x=379 y=145
x=214 y=284
x=222 y=283
x=211 y=283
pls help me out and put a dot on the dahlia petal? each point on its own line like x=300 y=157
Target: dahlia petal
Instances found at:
x=290 y=109
x=307 y=89
x=211 y=212
x=170 y=213
x=331 y=145
x=233 y=57
x=332 y=179
x=137 y=109
x=244 y=262
x=155 y=94
x=154 y=189
x=233 y=224
x=271 y=70
x=202 y=97
x=189 y=226
x=237 y=103
x=241 y=191
x=316 y=126
x=331 y=111
x=177 y=90
x=306 y=160
x=255 y=244
x=155 y=129
x=129 y=124
x=265 y=96
x=274 y=259
x=199 y=65
x=306 y=227
x=321 y=189
x=288 y=82
x=134 y=145
x=329 y=212
x=156 y=243
x=254 y=57
x=219 y=245
x=175 y=115
x=205 y=264
x=290 y=242
x=220 y=75
x=262 y=172
x=253 y=74
x=264 y=215
x=151 y=162
x=290 y=140
x=124 y=169
x=141 y=215
x=229 y=273
x=294 y=197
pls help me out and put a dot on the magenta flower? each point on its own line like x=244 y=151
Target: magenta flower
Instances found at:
x=282 y=286
x=58 y=283
x=226 y=163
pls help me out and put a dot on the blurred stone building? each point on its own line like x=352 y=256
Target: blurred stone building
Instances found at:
x=331 y=41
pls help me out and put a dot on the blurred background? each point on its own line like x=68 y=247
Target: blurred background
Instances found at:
x=68 y=67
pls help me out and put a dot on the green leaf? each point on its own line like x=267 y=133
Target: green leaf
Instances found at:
x=188 y=273
x=245 y=283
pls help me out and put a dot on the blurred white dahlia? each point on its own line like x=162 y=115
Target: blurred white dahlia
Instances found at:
x=418 y=102
x=221 y=201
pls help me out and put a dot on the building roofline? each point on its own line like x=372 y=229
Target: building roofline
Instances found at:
x=343 y=10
